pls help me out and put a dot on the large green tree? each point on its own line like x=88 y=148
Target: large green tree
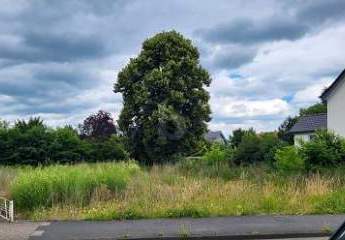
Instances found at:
x=165 y=102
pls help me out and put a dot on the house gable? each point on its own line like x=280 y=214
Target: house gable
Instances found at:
x=338 y=83
x=335 y=98
x=216 y=136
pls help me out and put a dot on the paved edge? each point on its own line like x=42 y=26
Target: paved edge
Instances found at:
x=224 y=237
x=18 y=230
x=315 y=233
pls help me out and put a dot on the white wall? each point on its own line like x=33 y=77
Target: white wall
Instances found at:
x=336 y=110
x=301 y=137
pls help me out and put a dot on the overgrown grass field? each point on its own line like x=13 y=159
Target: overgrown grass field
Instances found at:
x=104 y=191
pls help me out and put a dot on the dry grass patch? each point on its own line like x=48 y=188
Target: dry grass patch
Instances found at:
x=167 y=192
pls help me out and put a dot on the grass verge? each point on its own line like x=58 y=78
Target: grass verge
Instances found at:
x=123 y=191
x=70 y=185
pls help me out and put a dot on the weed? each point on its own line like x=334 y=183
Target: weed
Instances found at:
x=184 y=231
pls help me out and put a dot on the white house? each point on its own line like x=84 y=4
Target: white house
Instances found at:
x=334 y=119
x=305 y=127
x=334 y=96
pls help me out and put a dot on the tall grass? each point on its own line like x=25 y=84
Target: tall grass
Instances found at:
x=7 y=174
x=122 y=191
x=163 y=192
x=69 y=185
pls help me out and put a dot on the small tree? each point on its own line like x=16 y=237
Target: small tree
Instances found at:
x=283 y=130
x=289 y=160
x=249 y=150
x=325 y=150
x=165 y=103
x=4 y=124
x=98 y=126
x=23 y=125
x=237 y=135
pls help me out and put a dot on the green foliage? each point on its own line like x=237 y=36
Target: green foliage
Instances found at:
x=25 y=143
x=76 y=185
x=33 y=143
x=66 y=146
x=236 y=138
x=332 y=203
x=283 y=129
x=289 y=160
x=249 y=150
x=165 y=102
x=166 y=191
x=325 y=150
x=111 y=148
x=3 y=124
x=24 y=126
x=314 y=109
x=255 y=148
x=215 y=162
x=187 y=211
x=270 y=142
x=216 y=156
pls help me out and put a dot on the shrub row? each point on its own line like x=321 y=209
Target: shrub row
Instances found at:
x=34 y=143
x=325 y=150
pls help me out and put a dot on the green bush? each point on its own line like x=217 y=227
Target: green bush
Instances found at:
x=66 y=146
x=236 y=137
x=25 y=143
x=255 y=148
x=289 y=160
x=249 y=150
x=33 y=143
x=112 y=148
x=75 y=185
x=214 y=163
x=270 y=143
x=216 y=155
x=325 y=150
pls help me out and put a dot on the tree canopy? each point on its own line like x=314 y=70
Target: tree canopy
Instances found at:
x=165 y=101
x=313 y=109
x=98 y=126
x=236 y=137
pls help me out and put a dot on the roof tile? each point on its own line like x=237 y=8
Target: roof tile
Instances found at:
x=310 y=123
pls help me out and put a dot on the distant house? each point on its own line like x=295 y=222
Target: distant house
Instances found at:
x=305 y=127
x=215 y=136
x=334 y=119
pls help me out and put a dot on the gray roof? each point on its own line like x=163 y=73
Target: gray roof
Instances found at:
x=310 y=123
x=214 y=135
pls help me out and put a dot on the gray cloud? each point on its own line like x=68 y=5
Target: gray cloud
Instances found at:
x=45 y=47
x=319 y=11
x=231 y=57
x=61 y=57
x=248 y=31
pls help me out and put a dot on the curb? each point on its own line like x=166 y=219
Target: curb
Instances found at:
x=225 y=237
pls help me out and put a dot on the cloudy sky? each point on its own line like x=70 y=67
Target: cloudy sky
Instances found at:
x=59 y=59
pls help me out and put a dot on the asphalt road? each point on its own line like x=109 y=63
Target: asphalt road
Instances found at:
x=246 y=227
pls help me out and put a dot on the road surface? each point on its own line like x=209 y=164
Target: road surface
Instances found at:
x=246 y=227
